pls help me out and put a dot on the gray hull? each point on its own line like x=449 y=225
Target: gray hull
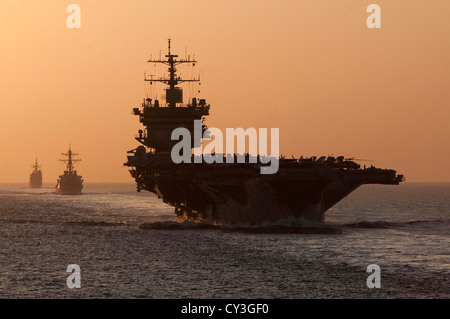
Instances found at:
x=69 y=184
x=219 y=196
x=35 y=180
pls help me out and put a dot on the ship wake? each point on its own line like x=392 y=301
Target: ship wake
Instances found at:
x=284 y=226
x=281 y=227
x=381 y=224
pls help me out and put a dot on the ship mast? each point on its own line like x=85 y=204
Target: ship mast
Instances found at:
x=36 y=166
x=174 y=94
x=70 y=160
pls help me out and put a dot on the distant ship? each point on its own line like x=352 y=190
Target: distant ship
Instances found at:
x=36 y=176
x=236 y=192
x=70 y=183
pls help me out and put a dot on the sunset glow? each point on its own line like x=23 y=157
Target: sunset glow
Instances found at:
x=313 y=69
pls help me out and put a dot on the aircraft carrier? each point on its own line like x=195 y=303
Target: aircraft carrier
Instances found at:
x=233 y=193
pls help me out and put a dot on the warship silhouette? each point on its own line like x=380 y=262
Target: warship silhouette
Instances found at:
x=70 y=183
x=36 y=176
x=233 y=193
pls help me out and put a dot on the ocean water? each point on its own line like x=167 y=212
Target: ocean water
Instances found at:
x=130 y=245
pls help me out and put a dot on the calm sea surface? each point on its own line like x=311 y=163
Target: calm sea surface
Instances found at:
x=129 y=245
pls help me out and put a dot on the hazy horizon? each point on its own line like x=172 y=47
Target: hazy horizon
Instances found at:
x=312 y=69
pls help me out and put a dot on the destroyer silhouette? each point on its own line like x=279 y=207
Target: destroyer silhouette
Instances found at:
x=69 y=183
x=36 y=176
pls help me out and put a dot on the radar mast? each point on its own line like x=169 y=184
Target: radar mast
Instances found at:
x=174 y=94
x=36 y=166
x=70 y=160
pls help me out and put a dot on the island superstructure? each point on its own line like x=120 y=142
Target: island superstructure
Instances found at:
x=236 y=193
x=69 y=183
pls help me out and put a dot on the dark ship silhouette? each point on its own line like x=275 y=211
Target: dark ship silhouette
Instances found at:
x=237 y=193
x=36 y=176
x=70 y=183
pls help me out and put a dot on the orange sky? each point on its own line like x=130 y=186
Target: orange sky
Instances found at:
x=311 y=68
